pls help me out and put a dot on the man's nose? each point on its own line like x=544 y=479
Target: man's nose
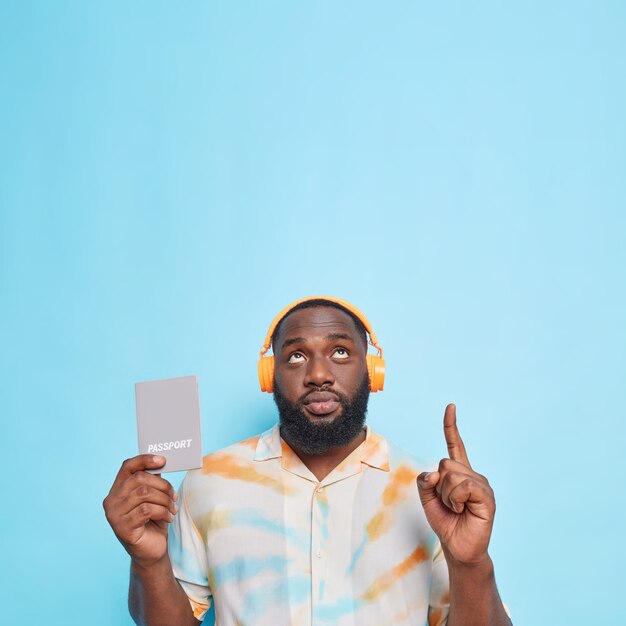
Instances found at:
x=319 y=372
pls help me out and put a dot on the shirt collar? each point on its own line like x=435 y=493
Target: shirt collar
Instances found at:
x=374 y=451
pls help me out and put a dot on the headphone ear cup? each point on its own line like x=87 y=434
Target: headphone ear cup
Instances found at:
x=266 y=373
x=376 y=371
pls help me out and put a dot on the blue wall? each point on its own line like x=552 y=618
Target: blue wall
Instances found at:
x=172 y=174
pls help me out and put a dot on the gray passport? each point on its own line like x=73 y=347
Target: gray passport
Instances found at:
x=168 y=422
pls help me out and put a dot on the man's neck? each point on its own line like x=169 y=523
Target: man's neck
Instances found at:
x=323 y=464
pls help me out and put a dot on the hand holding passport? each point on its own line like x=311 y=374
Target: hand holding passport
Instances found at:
x=139 y=505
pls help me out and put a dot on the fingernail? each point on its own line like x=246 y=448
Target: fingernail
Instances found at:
x=175 y=496
x=426 y=476
x=171 y=517
x=158 y=459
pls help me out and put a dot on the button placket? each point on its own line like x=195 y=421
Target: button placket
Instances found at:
x=319 y=505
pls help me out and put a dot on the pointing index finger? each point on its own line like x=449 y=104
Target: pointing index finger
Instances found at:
x=456 y=448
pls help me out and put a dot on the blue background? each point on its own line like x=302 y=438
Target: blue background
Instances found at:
x=173 y=174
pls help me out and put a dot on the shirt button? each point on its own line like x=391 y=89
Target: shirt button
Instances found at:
x=319 y=489
x=318 y=553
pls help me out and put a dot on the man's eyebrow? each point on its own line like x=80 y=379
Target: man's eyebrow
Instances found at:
x=340 y=336
x=291 y=341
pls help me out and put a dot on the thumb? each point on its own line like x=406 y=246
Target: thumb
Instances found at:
x=427 y=486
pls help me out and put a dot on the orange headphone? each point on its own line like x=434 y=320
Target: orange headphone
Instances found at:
x=375 y=363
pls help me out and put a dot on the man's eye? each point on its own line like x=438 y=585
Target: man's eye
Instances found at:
x=341 y=353
x=296 y=357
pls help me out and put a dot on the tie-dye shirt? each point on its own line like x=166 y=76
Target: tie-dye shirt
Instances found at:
x=260 y=537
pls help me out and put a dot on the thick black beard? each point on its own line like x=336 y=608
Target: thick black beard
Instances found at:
x=311 y=438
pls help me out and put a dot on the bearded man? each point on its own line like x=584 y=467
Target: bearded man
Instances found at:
x=319 y=520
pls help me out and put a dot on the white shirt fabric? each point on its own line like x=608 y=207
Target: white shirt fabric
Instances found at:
x=260 y=537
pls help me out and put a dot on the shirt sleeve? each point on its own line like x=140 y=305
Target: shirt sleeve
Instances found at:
x=187 y=554
x=439 y=598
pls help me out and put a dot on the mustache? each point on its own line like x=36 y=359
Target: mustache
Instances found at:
x=342 y=397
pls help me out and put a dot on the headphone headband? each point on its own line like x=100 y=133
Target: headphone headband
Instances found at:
x=346 y=305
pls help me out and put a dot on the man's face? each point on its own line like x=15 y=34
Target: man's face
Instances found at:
x=321 y=386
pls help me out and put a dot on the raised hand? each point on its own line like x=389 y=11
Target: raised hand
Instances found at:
x=139 y=508
x=458 y=502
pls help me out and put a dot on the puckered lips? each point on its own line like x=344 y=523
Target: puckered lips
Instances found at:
x=321 y=402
